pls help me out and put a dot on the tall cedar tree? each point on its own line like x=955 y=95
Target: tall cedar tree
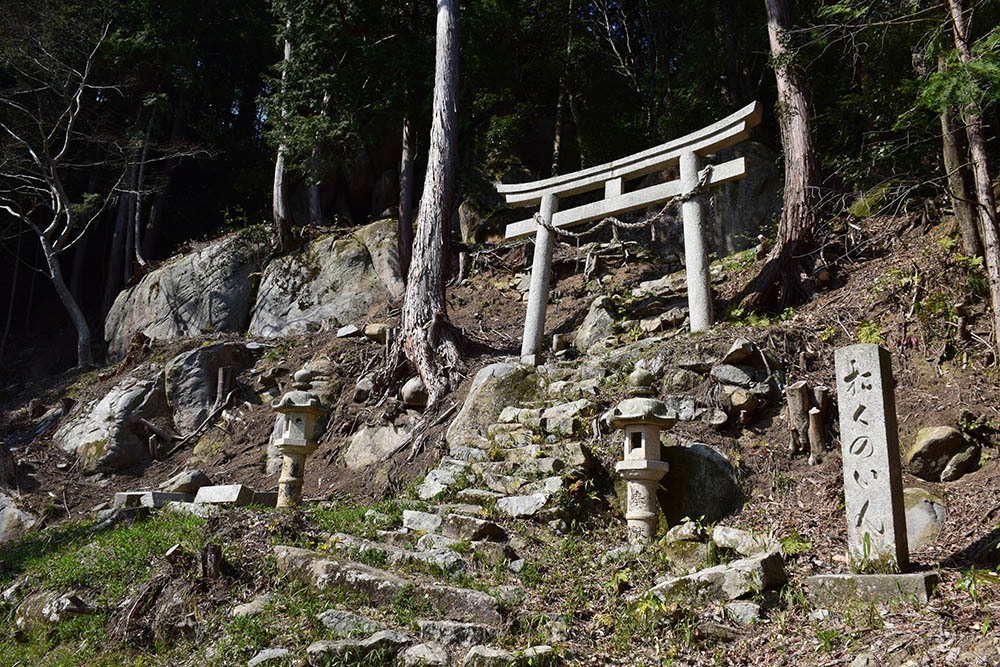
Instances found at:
x=973 y=115
x=430 y=342
x=781 y=281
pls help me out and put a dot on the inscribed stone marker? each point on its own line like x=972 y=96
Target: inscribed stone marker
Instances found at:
x=869 y=441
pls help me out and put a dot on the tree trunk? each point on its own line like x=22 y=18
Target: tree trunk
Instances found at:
x=282 y=219
x=116 y=259
x=140 y=183
x=159 y=204
x=84 y=357
x=782 y=279
x=405 y=235
x=132 y=184
x=980 y=169
x=955 y=170
x=430 y=342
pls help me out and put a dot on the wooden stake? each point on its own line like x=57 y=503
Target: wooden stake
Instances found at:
x=798 y=414
x=816 y=443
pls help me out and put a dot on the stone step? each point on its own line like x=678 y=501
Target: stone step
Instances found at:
x=470 y=528
x=529 y=466
x=478 y=495
x=383 y=644
x=574 y=390
x=519 y=437
x=570 y=453
x=455 y=633
x=452 y=464
x=466 y=453
x=506 y=484
x=383 y=587
x=447 y=560
x=530 y=417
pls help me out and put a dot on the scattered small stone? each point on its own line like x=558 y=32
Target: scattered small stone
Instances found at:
x=558 y=526
x=741 y=376
x=252 y=608
x=188 y=481
x=470 y=528
x=266 y=655
x=516 y=566
x=348 y=331
x=741 y=350
x=485 y=656
x=377 y=331
x=743 y=612
x=414 y=394
x=432 y=541
x=363 y=389
x=435 y=483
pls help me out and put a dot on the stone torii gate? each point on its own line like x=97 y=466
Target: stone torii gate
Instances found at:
x=689 y=151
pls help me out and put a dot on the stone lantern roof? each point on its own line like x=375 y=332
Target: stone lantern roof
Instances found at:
x=641 y=408
x=300 y=398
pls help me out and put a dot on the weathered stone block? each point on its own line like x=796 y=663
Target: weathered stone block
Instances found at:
x=844 y=590
x=226 y=494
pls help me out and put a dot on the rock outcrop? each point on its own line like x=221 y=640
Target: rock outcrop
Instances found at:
x=101 y=433
x=207 y=290
x=328 y=283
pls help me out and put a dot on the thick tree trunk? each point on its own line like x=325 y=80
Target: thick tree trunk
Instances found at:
x=956 y=170
x=282 y=217
x=315 y=203
x=987 y=208
x=430 y=342
x=84 y=357
x=782 y=279
x=405 y=235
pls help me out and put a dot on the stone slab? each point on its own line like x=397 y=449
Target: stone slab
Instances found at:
x=840 y=590
x=869 y=441
x=383 y=587
x=226 y=494
x=153 y=499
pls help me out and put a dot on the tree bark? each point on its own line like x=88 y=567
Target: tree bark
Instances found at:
x=140 y=183
x=980 y=170
x=430 y=342
x=956 y=170
x=782 y=279
x=405 y=233
x=279 y=193
x=84 y=357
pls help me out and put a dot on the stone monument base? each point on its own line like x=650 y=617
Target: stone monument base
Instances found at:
x=840 y=590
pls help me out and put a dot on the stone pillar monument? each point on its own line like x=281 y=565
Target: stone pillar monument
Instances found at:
x=869 y=442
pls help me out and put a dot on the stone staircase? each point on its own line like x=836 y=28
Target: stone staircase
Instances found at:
x=463 y=521
x=520 y=470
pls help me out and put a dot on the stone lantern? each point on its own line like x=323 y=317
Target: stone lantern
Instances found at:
x=642 y=417
x=300 y=409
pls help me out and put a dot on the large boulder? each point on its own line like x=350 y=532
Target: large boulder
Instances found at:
x=597 y=325
x=207 y=290
x=932 y=450
x=701 y=483
x=381 y=240
x=371 y=444
x=101 y=433
x=494 y=388
x=14 y=522
x=329 y=282
x=191 y=380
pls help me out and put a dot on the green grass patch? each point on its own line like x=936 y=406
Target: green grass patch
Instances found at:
x=105 y=562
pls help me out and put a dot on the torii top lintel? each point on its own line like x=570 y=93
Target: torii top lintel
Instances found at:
x=730 y=130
